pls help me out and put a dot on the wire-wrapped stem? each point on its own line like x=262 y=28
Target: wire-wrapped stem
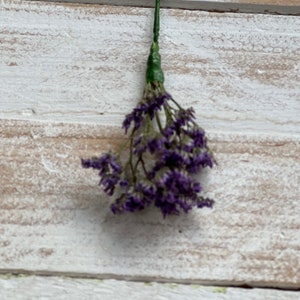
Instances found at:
x=156 y=22
x=154 y=73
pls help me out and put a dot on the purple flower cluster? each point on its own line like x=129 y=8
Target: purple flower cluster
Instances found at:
x=109 y=170
x=137 y=117
x=167 y=148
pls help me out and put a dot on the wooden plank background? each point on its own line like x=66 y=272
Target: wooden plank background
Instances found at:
x=79 y=63
x=68 y=75
x=288 y=7
x=19 y=288
x=54 y=219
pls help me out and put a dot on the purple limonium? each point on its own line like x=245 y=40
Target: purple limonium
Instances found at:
x=166 y=149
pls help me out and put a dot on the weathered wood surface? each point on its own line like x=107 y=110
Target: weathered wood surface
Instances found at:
x=75 y=63
x=28 y=288
x=84 y=66
x=288 y=7
x=54 y=218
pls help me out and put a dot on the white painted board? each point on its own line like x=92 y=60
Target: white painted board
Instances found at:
x=58 y=288
x=54 y=218
x=79 y=63
x=65 y=85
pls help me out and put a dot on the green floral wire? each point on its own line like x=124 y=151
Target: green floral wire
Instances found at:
x=154 y=73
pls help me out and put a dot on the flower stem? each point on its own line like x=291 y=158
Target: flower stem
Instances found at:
x=154 y=73
x=159 y=123
x=156 y=22
x=131 y=160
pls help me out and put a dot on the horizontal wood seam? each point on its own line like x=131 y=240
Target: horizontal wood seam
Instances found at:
x=216 y=7
x=225 y=284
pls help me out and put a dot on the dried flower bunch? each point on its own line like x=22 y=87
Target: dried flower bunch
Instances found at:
x=166 y=148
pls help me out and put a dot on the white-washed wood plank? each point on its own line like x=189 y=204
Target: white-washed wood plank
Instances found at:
x=54 y=219
x=288 y=7
x=35 y=287
x=76 y=63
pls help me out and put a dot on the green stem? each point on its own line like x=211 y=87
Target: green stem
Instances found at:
x=156 y=22
x=159 y=123
x=154 y=73
x=177 y=104
x=168 y=114
x=131 y=160
x=137 y=164
x=144 y=167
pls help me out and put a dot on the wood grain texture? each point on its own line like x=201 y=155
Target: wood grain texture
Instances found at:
x=23 y=288
x=288 y=7
x=55 y=220
x=85 y=63
x=68 y=75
